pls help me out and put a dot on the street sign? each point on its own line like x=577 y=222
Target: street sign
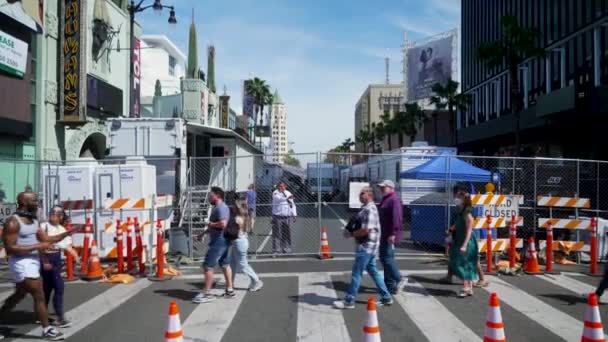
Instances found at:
x=508 y=208
x=6 y=210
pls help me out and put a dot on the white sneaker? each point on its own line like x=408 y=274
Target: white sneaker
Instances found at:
x=401 y=284
x=202 y=298
x=257 y=286
x=340 y=304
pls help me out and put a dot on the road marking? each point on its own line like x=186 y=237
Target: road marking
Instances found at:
x=568 y=283
x=435 y=321
x=544 y=314
x=91 y=310
x=211 y=320
x=335 y=213
x=265 y=241
x=317 y=319
x=310 y=274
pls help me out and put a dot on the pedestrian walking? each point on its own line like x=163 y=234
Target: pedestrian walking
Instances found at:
x=23 y=238
x=463 y=250
x=482 y=282
x=251 y=203
x=283 y=216
x=239 y=221
x=50 y=258
x=367 y=238
x=391 y=222
x=218 y=247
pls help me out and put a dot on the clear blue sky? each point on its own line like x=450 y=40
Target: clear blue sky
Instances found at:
x=320 y=54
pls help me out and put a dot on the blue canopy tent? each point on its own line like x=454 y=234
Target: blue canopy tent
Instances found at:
x=448 y=168
x=429 y=221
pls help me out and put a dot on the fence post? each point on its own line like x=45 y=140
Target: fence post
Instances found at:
x=593 y=248
x=549 y=248
x=189 y=186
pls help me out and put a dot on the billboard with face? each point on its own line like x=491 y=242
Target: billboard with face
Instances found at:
x=428 y=64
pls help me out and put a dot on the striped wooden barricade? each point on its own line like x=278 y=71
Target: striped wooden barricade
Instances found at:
x=497 y=222
x=564 y=223
x=563 y=202
x=489 y=199
x=498 y=245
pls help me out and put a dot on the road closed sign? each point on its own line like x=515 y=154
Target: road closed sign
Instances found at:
x=6 y=210
x=506 y=209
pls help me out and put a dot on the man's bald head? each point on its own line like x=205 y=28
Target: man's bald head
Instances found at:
x=27 y=199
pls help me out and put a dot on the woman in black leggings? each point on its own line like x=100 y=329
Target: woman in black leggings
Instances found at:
x=51 y=265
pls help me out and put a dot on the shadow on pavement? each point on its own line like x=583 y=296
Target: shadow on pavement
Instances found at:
x=566 y=298
x=177 y=293
x=342 y=286
x=313 y=299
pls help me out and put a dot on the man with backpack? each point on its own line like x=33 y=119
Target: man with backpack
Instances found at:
x=218 y=247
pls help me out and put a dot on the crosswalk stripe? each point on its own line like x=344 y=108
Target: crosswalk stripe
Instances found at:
x=317 y=319
x=213 y=319
x=552 y=319
x=435 y=321
x=568 y=283
x=91 y=310
x=308 y=274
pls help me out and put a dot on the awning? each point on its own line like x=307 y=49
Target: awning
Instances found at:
x=26 y=12
x=194 y=127
x=450 y=168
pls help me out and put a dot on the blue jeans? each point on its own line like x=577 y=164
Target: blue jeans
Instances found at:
x=367 y=262
x=239 y=259
x=392 y=276
x=218 y=250
x=52 y=282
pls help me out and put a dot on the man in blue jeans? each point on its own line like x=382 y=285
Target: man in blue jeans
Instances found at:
x=391 y=221
x=218 y=247
x=368 y=239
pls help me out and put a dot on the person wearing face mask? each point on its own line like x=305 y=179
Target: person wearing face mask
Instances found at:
x=52 y=281
x=23 y=239
x=463 y=250
x=448 y=278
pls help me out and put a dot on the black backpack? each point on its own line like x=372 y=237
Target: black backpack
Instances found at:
x=231 y=232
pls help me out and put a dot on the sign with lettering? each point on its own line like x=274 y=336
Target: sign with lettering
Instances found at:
x=508 y=208
x=136 y=91
x=72 y=61
x=13 y=55
x=6 y=210
x=224 y=110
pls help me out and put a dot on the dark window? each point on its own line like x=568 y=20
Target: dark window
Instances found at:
x=172 y=63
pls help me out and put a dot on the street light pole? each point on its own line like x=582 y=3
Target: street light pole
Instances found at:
x=133 y=9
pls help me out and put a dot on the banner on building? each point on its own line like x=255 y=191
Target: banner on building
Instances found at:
x=224 y=110
x=73 y=80
x=13 y=55
x=428 y=64
x=248 y=101
x=136 y=91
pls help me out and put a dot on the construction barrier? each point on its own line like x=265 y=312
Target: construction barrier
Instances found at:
x=498 y=245
x=497 y=222
x=563 y=202
x=491 y=199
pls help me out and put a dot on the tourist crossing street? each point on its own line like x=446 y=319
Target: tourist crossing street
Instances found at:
x=296 y=305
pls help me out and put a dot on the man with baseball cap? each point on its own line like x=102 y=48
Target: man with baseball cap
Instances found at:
x=391 y=223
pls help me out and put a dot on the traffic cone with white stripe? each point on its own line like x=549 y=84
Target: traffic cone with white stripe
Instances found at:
x=325 y=253
x=531 y=266
x=174 y=331
x=371 y=330
x=94 y=271
x=593 y=330
x=495 y=329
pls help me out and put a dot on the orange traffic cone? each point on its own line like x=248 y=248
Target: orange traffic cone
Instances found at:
x=325 y=253
x=495 y=329
x=94 y=271
x=531 y=266
x=593 y=330
x=174 y=326
x=371 y=330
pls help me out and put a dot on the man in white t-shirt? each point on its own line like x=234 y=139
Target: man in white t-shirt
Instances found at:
x=283 y=215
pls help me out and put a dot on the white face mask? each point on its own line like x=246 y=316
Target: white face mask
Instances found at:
x=458 y=202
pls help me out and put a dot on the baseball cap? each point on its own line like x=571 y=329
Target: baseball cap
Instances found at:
x=387 y=183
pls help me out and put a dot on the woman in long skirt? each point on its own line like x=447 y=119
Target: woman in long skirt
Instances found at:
x=463 y=251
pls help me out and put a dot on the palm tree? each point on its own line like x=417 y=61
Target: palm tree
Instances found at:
x=346 y=145
x=365 y=137
x=380 y=131
x=413 y=118
x=447 y=96
x=514 y=46
x=260 y=91
x=373 y=136
x=389 y=127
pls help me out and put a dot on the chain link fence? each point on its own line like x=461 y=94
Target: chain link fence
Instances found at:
x=324 y=195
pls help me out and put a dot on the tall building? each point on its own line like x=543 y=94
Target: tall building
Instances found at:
x=373 y=103
x=563 y=92
x=161 y=60
x=278 y=138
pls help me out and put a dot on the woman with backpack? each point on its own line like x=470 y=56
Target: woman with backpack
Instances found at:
x=236 y=231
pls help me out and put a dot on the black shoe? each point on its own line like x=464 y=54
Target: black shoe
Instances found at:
x=62 y=323
x=52 y=334
x=386 y=302
x=229 y=294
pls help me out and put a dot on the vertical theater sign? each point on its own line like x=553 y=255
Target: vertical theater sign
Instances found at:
x=73 y=57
